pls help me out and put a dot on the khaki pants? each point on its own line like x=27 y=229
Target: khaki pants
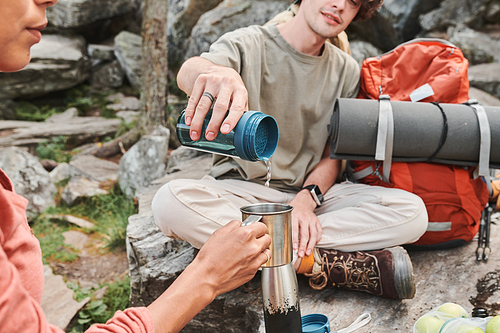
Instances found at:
x=353 y=216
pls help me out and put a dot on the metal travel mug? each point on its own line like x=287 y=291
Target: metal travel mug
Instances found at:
x=278 y=219
x=279 y=280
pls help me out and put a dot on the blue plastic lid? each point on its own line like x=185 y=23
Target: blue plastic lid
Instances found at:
x=256 y=136
x=315 y=323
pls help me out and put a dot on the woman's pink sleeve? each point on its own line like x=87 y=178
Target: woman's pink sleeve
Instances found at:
x=132 y=320
x=19 y=312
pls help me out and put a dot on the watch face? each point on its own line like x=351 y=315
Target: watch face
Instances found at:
x=318 y=194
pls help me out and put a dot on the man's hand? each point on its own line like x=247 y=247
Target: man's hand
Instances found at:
x=307 y=229
x=198 y=76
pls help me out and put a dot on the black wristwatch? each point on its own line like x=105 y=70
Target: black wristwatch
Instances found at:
x=315 y=193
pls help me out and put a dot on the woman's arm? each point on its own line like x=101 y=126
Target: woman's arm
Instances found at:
x=230 y=257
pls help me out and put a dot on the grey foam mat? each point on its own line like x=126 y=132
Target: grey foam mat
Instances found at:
x=417 y=132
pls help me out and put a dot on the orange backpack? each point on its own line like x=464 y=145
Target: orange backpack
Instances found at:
x=427 y=70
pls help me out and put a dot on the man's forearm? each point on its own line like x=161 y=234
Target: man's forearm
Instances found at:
x=325 y=173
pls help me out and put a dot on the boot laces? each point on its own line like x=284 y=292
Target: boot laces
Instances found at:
x=357 y=275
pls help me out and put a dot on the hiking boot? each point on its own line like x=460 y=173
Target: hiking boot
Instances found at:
x=387 y=273
x=495 y=197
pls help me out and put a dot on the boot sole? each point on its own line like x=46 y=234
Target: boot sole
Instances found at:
x=403 y=273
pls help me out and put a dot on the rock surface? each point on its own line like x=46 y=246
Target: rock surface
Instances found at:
x=79 y=13
x=362 y=50
x=76 y=239
x=486 y=78
x=477 y=47
x=29 y=177
x=57 y=300
x=455 y=12
x=182 y=17
x=57 y=63
x=93 y=168
x=128 y=51
x=395 y=23
x=81 y=187
x=79 y=130
x=230 y=15
x=108 y=75
x=144 y=162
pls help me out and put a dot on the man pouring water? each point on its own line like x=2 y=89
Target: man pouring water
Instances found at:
x=345 y=235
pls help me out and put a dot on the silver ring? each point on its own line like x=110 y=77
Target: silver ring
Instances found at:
x=268 y=257
x=210 y=96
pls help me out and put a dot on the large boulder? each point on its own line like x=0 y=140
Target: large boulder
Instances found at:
x=485 y=77
x=396 y=22
x=7 y=110
x=477 y=47
x=79 y=13
x=78 y=130
x=93 y=168
x=144 y=162
x=182 y=17
x=456 y=12
x=108 y=75
x=81 y=187
x=361 y=50
x=228 y=16
x=128 y=51
x=29 y=177
x=58 y=63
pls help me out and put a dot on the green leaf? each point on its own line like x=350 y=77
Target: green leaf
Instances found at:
x=94 y=304
x=84 y=321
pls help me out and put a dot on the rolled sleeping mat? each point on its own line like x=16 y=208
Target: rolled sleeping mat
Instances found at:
x=421 y=132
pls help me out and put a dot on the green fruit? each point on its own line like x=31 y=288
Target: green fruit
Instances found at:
x=468 y=329
x=428 y=324
x=451 y=310
x=493 y=325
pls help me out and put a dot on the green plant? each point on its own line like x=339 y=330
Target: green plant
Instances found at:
x=85 y=99
x=124 y=127
x=51 y=240
x=94 y=312
x=53 y=149
x=110 y=213
x=99 y=311
x=30 y=112
x=79 y=293
x=83 y=104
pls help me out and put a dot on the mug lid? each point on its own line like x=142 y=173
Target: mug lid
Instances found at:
x=315 y=323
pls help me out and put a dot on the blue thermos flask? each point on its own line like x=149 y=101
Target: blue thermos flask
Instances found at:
x=254 y=138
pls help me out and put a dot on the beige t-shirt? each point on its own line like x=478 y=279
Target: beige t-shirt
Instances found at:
x=298 y=90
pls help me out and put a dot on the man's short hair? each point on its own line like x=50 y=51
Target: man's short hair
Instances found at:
x=368 y=7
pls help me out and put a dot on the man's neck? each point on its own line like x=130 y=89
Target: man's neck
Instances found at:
x=298 y=34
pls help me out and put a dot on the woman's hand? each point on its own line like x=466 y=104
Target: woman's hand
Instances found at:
x=232 y=255
x=229 y=258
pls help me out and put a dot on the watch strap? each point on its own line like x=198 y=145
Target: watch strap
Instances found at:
x=315 y=193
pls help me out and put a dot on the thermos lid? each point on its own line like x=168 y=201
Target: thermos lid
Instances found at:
x=315 y=323
x=256 y=136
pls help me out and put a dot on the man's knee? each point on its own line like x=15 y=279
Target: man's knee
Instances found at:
x=166 y=208
x=418 y=223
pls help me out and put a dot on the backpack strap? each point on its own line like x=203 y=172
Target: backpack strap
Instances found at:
x=485 y=144
x=385 y=135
